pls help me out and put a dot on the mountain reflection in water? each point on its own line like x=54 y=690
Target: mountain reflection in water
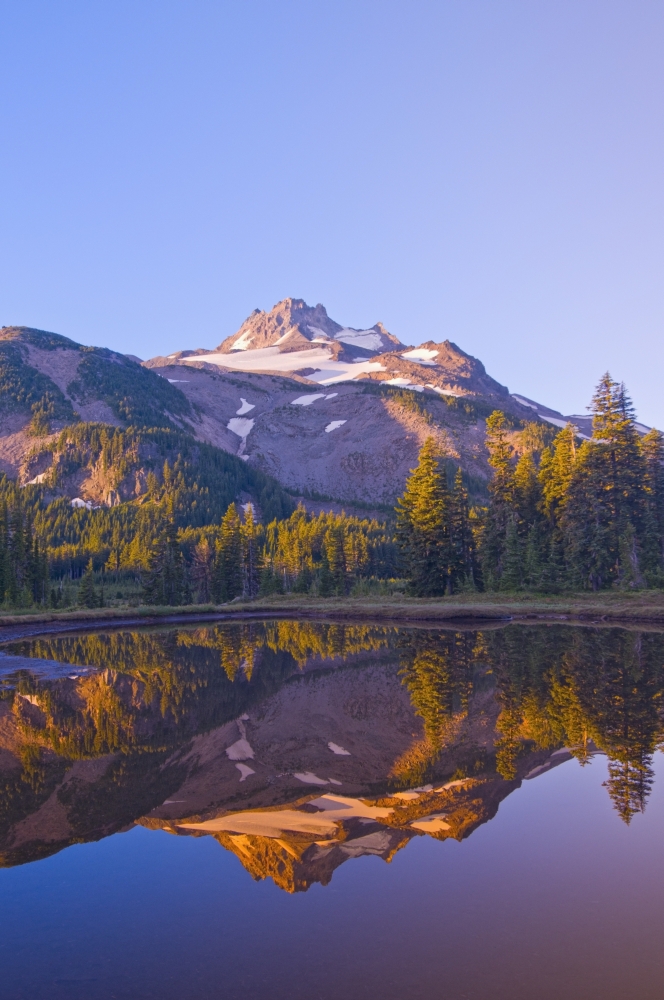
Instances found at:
x=300 y=745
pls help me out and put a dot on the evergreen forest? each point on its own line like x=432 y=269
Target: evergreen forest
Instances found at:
x=563 y=513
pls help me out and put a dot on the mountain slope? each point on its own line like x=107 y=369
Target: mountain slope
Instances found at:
x=350 y=430
x=48 y=382
x=331 y=412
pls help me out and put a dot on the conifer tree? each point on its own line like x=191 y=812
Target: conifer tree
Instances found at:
x=500 y=513
x=335 y=557
x=4 y=553
x=652 y=445
x=201 y=570
x=422 y=532
x=555 y=472
x=603 y=518
x=250 y=555
x=227 y=580
x=165 y=581
x=463 y=569
x=326 y=580
x=87 y=593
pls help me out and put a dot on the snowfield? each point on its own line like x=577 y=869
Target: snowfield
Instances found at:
x=424 y=355
x=332 y=426
x=272 y=359
x=342 y=371
x=240 y=426
x=405 y=383
x=242 y=343
x=246 y=407
x=443 y=392
x=307 y=400
x=240 y=750
x=369 y=340
x=245 y=771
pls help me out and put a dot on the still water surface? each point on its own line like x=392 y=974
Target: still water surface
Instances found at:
x=208 y=812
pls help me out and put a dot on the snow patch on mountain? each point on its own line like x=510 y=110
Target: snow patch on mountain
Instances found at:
x=242 y=343
x=368 y=340
x=265 y=359
x=423 y=355
x=405 y=383
x=342 y=371
x=307 y=400
x=240 y=426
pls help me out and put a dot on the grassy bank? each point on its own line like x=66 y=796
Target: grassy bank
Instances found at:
x=641 y=606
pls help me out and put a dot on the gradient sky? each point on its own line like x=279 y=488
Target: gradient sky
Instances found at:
x=488 y=171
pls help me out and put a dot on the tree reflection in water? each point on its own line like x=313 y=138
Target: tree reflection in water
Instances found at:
x=135 y=700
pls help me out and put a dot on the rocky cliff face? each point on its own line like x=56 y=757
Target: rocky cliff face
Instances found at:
x=292 y=325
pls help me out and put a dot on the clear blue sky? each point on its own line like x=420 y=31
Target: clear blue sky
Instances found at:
x=489 y=171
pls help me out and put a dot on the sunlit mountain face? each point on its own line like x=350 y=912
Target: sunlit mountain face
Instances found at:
x=301 y=745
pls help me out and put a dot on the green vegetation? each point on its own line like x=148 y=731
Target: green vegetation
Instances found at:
x=135 y=394
x=187 y=489
x=586 y=516
x=179 y=523
x=561 y=516
x=24 y=388
x=433 y=530
x=429 y=408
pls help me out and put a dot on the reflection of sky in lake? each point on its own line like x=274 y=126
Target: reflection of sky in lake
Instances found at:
x=552 y=899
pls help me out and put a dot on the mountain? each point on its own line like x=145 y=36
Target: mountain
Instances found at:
x=304 y=342
x=339 y=413
x=331 y=412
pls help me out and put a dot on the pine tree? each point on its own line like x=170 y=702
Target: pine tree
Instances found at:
x=326 y=580
x=652 y=446
x=227 y=579
x=87 y=594
x=422 y=532
x=463 y=571
x=336 y=558
x=555 y=472
x=4 y=553
x=530 y=523
x=165 y=580
x=250 y=555
x=604 y=512
x=201 y=570
x=501 y=490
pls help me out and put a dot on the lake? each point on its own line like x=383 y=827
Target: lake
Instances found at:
x=302 y=810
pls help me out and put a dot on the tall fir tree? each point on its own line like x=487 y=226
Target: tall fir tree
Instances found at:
x=604 y=515
x=227 y=580
x=422 y=531
x=500 y=514
x=462 y=564
x=250 y=554
x=87 y=593
x=652 y=445
x=166 y=580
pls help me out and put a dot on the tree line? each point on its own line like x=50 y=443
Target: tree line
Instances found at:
x=584 y=514
x=563 y=513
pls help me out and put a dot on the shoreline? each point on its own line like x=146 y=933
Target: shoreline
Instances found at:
x=646 y=607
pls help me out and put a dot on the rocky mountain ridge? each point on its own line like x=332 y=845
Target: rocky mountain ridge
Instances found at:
x=335 y=414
